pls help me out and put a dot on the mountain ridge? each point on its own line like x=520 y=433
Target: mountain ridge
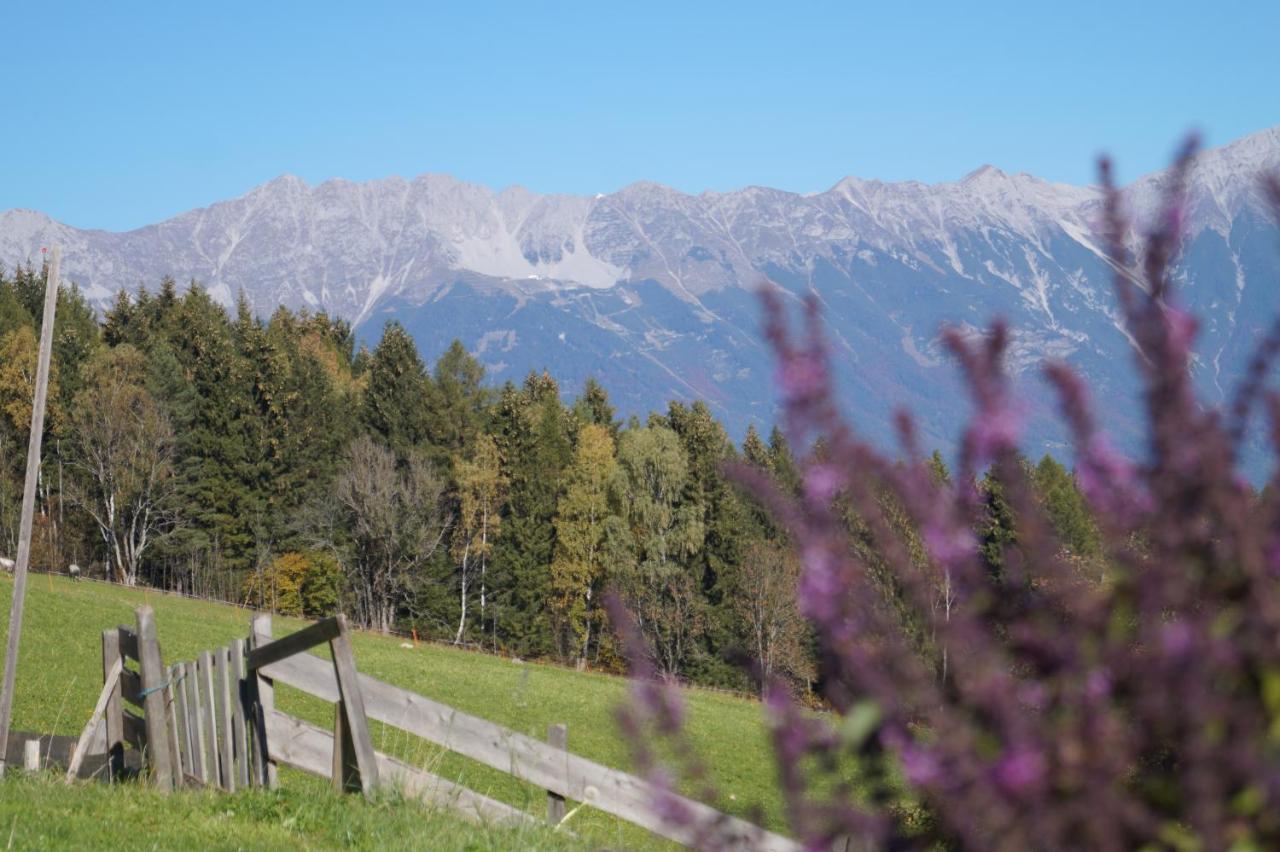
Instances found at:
x=654 y=287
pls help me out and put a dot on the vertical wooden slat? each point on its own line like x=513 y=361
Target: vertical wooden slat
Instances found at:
x=238 y=730
x=28 y=504
x=152 y=672
x=264 y=704
x=558 y=737
x=171 y=718
x=356 y=724
x=226 y=743
x=217 y=663
x=113 y=715
x=208 y=716
x=183 y=713
x=199 y=767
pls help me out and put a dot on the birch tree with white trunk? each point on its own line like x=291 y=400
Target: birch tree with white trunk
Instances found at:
x=120 y=456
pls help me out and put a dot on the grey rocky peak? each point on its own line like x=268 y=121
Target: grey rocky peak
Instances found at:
x=651 y=289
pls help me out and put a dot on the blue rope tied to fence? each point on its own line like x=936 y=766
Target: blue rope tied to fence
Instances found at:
x=145 y=692
x=171 y=682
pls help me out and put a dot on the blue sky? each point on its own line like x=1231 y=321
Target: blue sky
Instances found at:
x=118 y=115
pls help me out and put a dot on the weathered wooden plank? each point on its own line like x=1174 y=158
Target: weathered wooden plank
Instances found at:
x=98 y=742
x=310 y=748
x=294 y=643
x=183 y=715
x=355 y=723
x=557 y=737
x=199 y=767
x=159 y=758
x=55 y=752
x=565 y=773
x=226 y=741
x=104 y=698
x=128 y=642
x=35 y=435
x=264 y=702
x=171 y=718
x=113 y=727
x=208 y=717
x=238 y=728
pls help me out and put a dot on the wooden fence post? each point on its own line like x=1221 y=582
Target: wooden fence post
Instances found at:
x=238 y=729
x=28 y=504
x=152 y=672
x=557 y=737
x=354 y=729
x=113 y=715
x=263 y=699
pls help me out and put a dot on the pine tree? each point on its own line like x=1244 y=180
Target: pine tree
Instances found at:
x=534 y=438
x=781 y=461
x=725 y=520
x=1066 y=509
x=754 y=451
x=395 y=401
x=592 y=406
x=458 y=401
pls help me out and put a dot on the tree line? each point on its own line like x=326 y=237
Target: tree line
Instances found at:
x=278 y=464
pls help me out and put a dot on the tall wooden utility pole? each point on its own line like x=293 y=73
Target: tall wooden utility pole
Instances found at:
x=28 y=503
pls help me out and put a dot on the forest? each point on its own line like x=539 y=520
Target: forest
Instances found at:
x=277 y=464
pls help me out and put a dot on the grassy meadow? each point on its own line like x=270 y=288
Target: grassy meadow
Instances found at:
x=59 y=677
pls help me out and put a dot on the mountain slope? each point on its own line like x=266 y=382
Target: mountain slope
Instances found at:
x=652 y=289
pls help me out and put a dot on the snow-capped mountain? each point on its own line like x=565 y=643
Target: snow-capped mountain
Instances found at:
x=652 y=290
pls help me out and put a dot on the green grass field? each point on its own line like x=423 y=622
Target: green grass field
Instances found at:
x=59 y=677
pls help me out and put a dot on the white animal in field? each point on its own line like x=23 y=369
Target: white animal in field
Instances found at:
x=6 y=564
x=74 y=570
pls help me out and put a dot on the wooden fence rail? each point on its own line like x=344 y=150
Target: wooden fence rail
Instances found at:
x=213 y=721
x=559 y=771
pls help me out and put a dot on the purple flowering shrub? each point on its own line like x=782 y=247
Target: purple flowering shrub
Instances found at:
x=1139 y=709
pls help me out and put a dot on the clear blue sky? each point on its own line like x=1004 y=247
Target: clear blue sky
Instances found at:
x=118 y=115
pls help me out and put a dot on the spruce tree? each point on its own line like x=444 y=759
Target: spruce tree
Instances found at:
x=395 y=401
x=534 y=438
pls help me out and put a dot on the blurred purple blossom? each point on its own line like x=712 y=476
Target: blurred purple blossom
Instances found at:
x=1131 y=702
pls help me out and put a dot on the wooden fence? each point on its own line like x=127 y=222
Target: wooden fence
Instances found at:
x=213 y=721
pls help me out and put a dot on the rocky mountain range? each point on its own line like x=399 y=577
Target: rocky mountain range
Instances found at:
x=653 y=290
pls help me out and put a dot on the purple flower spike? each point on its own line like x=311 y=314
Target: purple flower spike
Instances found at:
x=996 y=431
x=919 y=765
x=821 y=483
x=1020 y=770
x=1019 y=657
x=802 y=376
x=949 y=544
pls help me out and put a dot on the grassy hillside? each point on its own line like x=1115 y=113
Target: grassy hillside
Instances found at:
x=39 y=812
x=59 y=677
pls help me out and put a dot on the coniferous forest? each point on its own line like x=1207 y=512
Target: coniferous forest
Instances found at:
x=276 y=464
